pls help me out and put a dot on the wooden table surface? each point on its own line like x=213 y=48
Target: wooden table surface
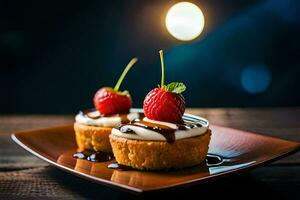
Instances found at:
x=22 y=176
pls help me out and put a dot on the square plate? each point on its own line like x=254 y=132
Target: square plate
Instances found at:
x=230 y=151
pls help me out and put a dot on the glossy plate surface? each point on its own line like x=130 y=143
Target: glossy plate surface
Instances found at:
x=230 y=151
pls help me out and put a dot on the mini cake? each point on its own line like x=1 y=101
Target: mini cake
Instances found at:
x=163 y=139
x=92 y=128
x=154 y=145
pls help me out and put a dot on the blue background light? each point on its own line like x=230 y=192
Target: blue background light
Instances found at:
x=256 y=78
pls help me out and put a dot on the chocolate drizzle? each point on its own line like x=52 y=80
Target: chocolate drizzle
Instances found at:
x=213 y=160
x=167 y=132
x=119 y=167
x=93 y=156
x=81 y=155
x=125 y=129
x=97 y=115
x=92 y=114
x=188 y=125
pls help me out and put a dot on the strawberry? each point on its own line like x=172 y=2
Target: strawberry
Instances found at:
x=162 y=105
x=109 y=100
x=165 y=103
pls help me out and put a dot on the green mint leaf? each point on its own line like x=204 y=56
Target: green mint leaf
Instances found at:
x=175 y=87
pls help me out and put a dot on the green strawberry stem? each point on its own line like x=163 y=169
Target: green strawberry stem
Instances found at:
x=174 y=87
x=161 y=54
x=127 y=68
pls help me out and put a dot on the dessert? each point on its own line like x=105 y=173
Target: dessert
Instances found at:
x=112 y=108
x=163 y=139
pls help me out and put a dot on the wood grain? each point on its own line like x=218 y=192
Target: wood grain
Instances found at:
x=23 y=176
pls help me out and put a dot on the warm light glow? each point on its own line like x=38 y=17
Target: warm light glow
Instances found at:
x=185 y=21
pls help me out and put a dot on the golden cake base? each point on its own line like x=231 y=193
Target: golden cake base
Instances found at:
x=159 y=155
x=92 y=137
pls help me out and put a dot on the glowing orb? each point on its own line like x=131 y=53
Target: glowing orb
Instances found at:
x=185 y=21
x=256 y=79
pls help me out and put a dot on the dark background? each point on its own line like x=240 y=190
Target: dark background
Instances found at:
x=56 y=54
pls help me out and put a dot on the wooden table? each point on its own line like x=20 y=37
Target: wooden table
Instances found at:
x=22 y=176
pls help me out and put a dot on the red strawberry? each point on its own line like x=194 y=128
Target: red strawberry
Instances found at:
x=165 y=103
x=109 y=100
x=162 y=105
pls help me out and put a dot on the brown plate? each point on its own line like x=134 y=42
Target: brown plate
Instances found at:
x=230 y=151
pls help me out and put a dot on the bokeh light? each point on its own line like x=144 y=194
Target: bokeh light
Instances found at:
x=256 y=78
x=185 y=21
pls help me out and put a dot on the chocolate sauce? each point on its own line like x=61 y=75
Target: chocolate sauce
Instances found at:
x=188 y=125
x=92 y=115
x=165 y=131
x=125 y=129
x=119 y=167
x=93 y=156
x=83 y=154
x=213 y=160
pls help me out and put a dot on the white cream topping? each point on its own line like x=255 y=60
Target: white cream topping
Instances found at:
x=112 y=121
x=141 y=133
